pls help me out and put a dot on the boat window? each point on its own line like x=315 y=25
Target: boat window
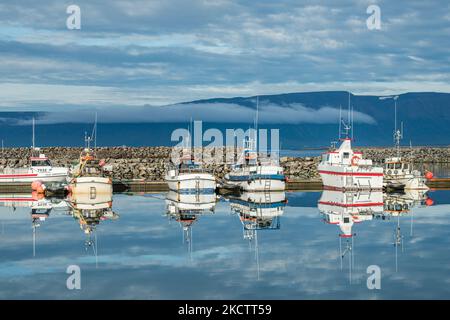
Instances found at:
x=398 y=166
x=346 y=155
x=346 y=220
x=40 y=163
x=406 y=166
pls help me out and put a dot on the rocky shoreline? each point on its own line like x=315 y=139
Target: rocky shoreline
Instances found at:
x=151 y=163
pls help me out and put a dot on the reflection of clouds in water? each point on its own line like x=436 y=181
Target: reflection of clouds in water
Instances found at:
x=141 y=256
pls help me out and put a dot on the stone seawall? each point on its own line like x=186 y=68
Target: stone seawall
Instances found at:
x=150 y=163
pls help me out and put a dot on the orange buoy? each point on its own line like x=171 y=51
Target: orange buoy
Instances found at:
x=37 y=196
x=429 y=175
x=35 y=185
x=429 y=202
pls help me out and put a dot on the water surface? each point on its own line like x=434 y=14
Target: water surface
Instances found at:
x=145 y=254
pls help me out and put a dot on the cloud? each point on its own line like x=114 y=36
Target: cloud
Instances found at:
x=269 y=113
x=148 y=53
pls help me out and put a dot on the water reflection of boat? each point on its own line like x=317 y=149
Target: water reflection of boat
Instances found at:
x=356 y=204
x=186 y=208
x=258 y=211
x=344 y=209
x=396 y=204
x=40 y=208
x=89 y=210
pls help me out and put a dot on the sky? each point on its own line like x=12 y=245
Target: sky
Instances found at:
x=154 y=53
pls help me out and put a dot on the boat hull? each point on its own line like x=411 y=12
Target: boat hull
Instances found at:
x=259 y=185
x=408 y=183
x=351 y=177
x=91 y=185
x=192 y=183
x=30 y=177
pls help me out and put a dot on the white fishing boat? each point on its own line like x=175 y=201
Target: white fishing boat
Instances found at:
x=399 y=172
x=255 y=174
x=39 y=168
x=345 y=169
x=89 y=176
x=187 y=175
x=190 y=177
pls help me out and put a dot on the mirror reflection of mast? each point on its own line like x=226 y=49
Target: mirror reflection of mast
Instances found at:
x=397 y=205
x=89 y=209
x=185 y=208
x=344 y=209
x=258 y=211
x=40 y=209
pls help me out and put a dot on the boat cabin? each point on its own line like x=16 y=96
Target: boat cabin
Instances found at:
x=40 y=161
x=395 y=166
x=344 y=155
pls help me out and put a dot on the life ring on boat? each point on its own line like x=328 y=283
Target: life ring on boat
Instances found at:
x=355 y=160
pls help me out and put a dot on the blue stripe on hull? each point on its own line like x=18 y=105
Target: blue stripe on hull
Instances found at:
x=256 y=177
x=195 y=191
x=250 y=204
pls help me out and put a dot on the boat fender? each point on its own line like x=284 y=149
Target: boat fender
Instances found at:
x=355 y=160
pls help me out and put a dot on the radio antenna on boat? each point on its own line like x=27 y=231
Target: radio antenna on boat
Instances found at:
x=94 y=132
x=346 y=126
x=398 y=134
x=256 y=121
x=32 y=142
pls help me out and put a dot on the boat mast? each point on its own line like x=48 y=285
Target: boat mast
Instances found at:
x=256 y=123
x=398 y=134
x=33 y=138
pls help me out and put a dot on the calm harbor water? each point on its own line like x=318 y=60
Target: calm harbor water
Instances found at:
x=293 y=253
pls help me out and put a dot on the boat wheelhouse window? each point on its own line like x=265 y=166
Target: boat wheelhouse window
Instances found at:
x=397 y=165
x=346 y=220
x=390 y=166
x=346 y=155
x=40 y=163
x=406 y=166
